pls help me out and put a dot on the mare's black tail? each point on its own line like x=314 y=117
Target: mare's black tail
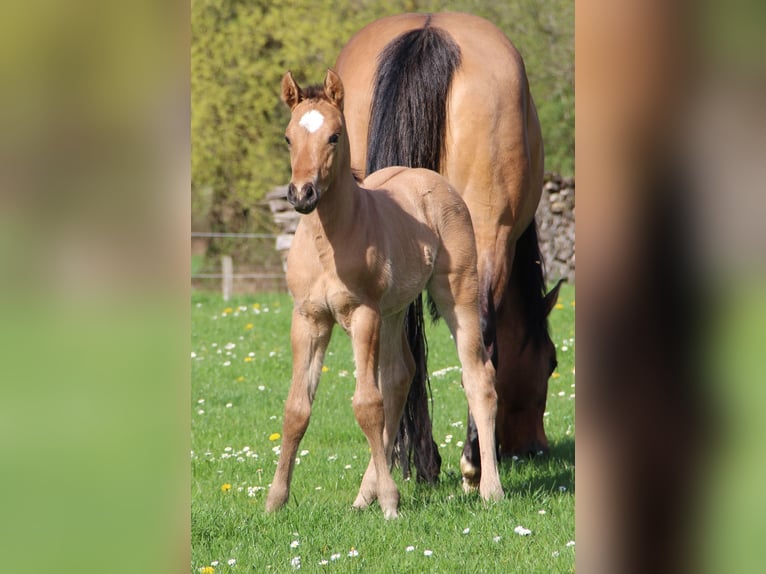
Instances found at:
x=408 y=123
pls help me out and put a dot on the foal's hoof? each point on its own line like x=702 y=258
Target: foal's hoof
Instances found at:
x=363 y=501
x=492 y=494
x=389 y=503
x=389 y=511
x=275 y=500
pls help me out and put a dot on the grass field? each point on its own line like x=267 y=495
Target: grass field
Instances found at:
x=241 y=368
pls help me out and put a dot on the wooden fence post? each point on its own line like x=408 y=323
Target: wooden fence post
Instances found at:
x=228 y=276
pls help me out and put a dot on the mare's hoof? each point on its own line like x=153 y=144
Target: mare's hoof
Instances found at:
x=471 y=475
x=469 y=487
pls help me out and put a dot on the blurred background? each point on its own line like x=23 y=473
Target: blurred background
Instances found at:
x=239 y=53
x=116 y=133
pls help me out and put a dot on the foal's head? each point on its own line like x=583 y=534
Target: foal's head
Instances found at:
x=316 y=137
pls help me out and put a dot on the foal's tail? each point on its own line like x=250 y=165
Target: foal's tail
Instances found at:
x=408 y=123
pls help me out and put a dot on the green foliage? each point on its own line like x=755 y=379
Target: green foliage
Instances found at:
x=240 y=50
x=241 y=370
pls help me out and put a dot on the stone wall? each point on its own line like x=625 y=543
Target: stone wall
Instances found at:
x=555 y=224
x=285 y=217
x=556 y=227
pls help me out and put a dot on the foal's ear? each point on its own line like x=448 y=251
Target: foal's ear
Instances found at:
x=291 y=92
x=333 y=89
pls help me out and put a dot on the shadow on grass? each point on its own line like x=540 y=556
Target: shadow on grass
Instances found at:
x=547 y=473
x=541 y=475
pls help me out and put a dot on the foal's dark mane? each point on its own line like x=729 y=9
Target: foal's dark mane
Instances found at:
x=314 y=92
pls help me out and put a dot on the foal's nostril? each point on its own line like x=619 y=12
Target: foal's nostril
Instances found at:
x=308 y=192
x=291 y=191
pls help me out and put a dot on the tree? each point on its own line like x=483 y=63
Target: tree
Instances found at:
x=241 y=49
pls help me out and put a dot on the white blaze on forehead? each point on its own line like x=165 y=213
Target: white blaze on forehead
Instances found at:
x=312 y=121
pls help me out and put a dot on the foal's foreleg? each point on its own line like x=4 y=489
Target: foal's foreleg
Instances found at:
x=395 y=372
x=369 y=410
x=309 y=338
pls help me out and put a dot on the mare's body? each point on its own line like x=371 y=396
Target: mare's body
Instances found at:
x=449 y=92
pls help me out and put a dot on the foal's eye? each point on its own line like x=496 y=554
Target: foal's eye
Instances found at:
x=287 y=139
x=333 y=138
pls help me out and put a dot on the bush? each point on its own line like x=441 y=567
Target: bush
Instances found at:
x=240 y=50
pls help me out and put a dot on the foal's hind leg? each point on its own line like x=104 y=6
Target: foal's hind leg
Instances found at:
x=470 y=459
x=310 y=337
x=395 y=373
x=455 y=295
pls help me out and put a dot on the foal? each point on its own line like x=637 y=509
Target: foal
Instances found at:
x=359 y=257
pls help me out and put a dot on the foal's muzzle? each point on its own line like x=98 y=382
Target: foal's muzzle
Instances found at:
x=305 y=200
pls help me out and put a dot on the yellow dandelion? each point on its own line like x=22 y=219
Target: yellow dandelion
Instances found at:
x=207 y=570
x=248 y=359
x=275 y=436
x=256 y=305
x=573 y=304
x=228 y=310
x=248 y=326
x=559 y=306
x=226 y=487
x=555 y=376
x=325 y=368
x=240 y=379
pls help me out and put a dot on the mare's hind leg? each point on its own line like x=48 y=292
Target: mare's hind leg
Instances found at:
x=394 y=376
x=455 y=295
x=309 y=337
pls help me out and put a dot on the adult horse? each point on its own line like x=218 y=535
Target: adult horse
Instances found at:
x=449 y=92
x=358 y=258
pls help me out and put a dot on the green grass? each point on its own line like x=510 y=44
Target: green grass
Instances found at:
x=242 y=403
x=197 y=263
